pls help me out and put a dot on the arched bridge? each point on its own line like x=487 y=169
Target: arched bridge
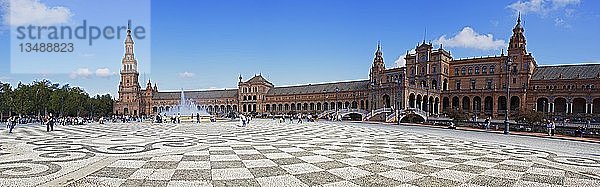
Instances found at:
x=391 y=117
x=377 y=112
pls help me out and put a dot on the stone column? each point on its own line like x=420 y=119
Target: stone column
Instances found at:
x=591 y=108
x=552 y=107
x=570 y=108
x=587 y=107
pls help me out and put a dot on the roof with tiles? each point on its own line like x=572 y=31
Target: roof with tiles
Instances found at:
x=258 y=79
x=318 y=88
x=207 y=94
x=583 y=71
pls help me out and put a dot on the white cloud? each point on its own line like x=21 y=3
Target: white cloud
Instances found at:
x=400 y=61
x=559 y=22
x=5 y=79
x=104 y=72
x=468 y=38
x=186 y=75
x=541 y=7
x=81 y=72
x=34 y=12
x=557 y=9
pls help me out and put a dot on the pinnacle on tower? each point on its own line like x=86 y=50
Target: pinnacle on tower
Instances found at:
x=378 y=53
x=518 y=26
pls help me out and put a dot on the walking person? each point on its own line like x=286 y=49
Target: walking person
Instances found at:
x=552 y=127
x=487 y=123
x=243 y=120
x=197 y=117
x=12 y=122
x=49 y=123
x=549 y=127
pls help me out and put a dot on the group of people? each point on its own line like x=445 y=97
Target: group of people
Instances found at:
x=334 y=117
x=177 y=118
x=245 y=120
x=163 y=119
x=551 y=127
x=487 y=123
x=298 y=118
x=12 y=122
x=47 y=120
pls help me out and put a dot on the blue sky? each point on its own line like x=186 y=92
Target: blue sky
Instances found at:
x=207 y=44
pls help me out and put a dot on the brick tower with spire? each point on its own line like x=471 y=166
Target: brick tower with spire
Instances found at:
x=378 y=67
x=130 y=101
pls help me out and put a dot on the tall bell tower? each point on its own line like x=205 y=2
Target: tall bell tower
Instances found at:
x=517 y=40
x=129 y=102
x=378 y=67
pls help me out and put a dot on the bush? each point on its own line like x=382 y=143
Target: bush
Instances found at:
x=530 y=117
x=457 y=115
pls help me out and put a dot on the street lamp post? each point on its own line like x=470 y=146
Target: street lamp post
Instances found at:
x=352 y=105
x=427 y=95
x=372 y=97
x=336 y=103
x=506 y=122
x=324 y=100
x=397 y=102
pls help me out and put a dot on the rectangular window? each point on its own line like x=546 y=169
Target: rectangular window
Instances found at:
x=473 y=84
x=457 y=85
x=489 y=84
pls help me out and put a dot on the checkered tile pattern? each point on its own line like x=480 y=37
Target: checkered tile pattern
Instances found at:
x=335 y=164
x=267 y=153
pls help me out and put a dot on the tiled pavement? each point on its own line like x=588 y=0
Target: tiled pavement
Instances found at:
x=267 y=153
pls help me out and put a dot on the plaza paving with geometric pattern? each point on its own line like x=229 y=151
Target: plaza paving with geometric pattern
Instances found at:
x=268 y=153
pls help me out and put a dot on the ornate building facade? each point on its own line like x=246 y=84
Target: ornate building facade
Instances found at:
x=432 y=81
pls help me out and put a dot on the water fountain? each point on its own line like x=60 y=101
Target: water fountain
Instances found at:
x=187 y=110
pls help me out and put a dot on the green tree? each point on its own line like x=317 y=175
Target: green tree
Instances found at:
x=76 y=102
x=57 y=100
x=42 y=97
x=102 y=105
x=43 y=89
x=5 y=99
x=22 y=99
